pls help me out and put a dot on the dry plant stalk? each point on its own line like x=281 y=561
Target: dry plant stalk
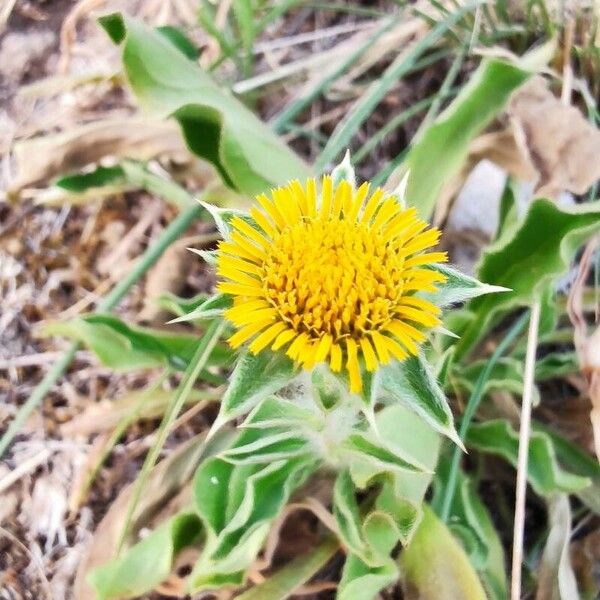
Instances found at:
x=587 y=347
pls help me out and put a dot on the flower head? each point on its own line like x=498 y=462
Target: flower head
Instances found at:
x=331 y=276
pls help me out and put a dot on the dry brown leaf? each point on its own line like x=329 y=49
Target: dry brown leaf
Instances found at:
x=562 y=145
x=587 y=347
x=545 y=142
x=107 y=414
x=164 y=484
x=44 y=157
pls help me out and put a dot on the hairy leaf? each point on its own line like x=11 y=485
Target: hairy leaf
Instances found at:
x=471 y=523
x=237 y=504
x=529 y=261
x=124 y=347
x=216 y=126
x=439 y=153
x=458 y=287
x=436 y=566
x=254 y=378
x=362 y=582
x=211 y=308
x=412 y=383
x=283 y=583
x=149 y=562
x=545 y=474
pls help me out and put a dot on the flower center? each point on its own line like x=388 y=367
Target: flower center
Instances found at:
x=333 y=276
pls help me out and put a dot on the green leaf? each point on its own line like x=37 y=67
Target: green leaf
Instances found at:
x=181 y=41
x=545 y=474
x=347 y=515
x=180 y=306
x=470 y=521
x=126 y=347
x=506 y=374
x=284 y=582
x=265 y=446
x=149 y=562
x=211 y=308
x=366 y=448
x=528 y=263
x=577 y=461
x=215 y=125
x=408 y=435
x=412 y=383
x=556 y=579
x=435 y=565
x=368 y=101
x=458 y=288
x=344 y=172
x=222 y=218
x=254 y=378
x=99 y=177
x=362 y=582
x=282 y=413
x=555 y=365
x=440 y=152
x=237 y=504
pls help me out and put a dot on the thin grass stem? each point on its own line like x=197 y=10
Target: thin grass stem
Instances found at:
x=366 y=104
x=471 y=408
x=523 y=456
x=197 y=364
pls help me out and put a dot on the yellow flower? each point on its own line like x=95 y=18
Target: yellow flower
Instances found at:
x=332 y=277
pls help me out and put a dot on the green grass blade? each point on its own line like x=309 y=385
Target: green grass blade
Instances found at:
x=293 y=109
x=366 y=104
x=288 y=579
x=471 y=407
x=197 y=364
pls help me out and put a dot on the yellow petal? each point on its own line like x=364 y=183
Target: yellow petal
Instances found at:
x=358 y=201
x=253 y=234
x=271 y=210
x=353 y=366
x=326 y=196
x=266 y=337
x=263 y=222
x=323 y=348
x=397 y=328
x=335 y=363
x=283 y=338
x=237 y=289
x=245 y=333
x=311 y=197
x=369 y=354
x=395 y=349
x=380 y=347
x=418 y=316
x=241 y=265
x=426 y=259
x=372 y=205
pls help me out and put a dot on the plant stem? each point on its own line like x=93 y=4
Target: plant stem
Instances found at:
x=150 y=256
x=470 y=409
x=198 y=362
x=522 y=461
x=138 y=174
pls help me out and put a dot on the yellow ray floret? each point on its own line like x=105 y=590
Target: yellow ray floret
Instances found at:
x=331 y=276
